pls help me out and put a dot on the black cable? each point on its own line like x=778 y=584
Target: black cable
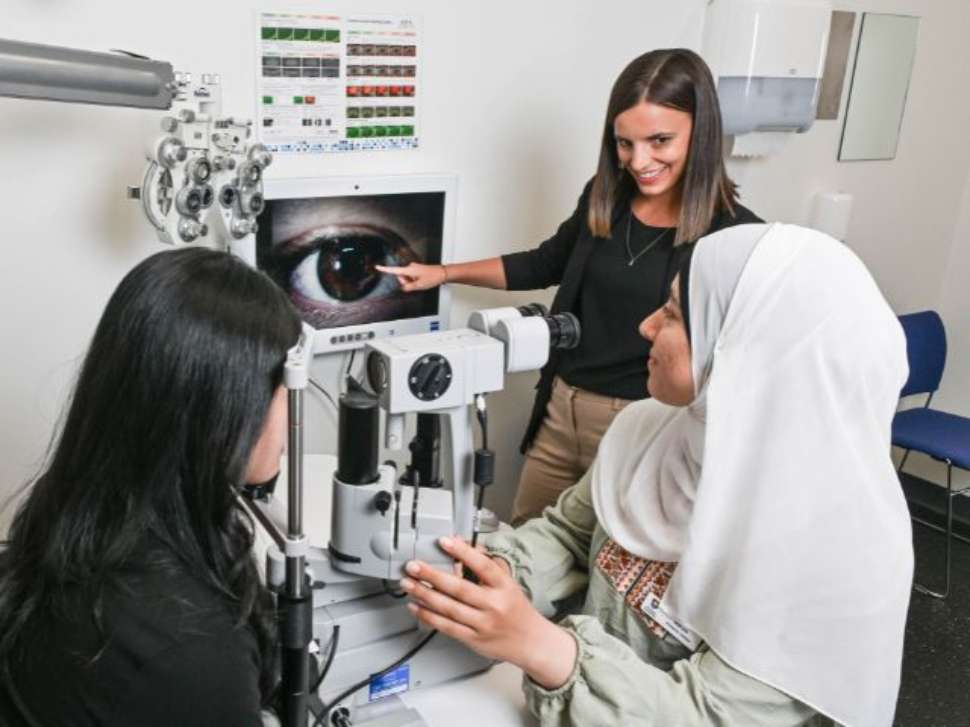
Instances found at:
x=416 y=482
x=483 y=424
x=350 y=363
x=334 y=640
x=481 y=501
x=364 y=682
x=323 y=391
x=268 y=525
x=484 y=469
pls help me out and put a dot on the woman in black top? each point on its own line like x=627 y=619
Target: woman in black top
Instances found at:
x=128 y=592
x=660 y=185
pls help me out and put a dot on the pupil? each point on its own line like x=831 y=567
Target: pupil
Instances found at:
x=346 y=265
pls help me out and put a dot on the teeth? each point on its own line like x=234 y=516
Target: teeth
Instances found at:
x=651 y=174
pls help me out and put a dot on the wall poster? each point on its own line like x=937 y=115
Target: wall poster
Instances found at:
x=333 y=83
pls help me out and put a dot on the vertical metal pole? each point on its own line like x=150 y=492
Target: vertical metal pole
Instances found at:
x=295 y=604
x=295 y=566
x=462 y=446
x=949 y=525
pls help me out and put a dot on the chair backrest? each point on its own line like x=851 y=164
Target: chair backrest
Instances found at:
x=925 y=350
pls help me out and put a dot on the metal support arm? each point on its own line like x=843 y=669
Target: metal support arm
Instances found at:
x=53 y=73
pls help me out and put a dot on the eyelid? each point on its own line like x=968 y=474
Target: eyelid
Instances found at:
x=301 y=242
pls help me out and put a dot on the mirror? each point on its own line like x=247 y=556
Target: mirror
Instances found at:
x=880 y=81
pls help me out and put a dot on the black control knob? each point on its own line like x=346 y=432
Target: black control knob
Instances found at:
x=430 y=377
x=382 y=501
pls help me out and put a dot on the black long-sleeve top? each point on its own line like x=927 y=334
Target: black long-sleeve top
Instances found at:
x=609 y=297
x=172 y=654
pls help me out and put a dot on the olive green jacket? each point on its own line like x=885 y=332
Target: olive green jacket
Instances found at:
x=626 y=673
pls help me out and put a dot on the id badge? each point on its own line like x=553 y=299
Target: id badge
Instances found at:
x=655 y=609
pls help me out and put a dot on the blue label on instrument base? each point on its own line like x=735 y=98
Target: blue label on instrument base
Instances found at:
x=394 y=682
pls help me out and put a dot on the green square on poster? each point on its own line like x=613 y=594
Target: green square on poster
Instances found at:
x=301 y=33
x=366 y=131
x=269 y=33
x=284 y=34
x=297 y=99
x=353 y=132
x=267 y=100
x=380 y=131
x=407 y=131
x=393 y=130
x=316 y=34
x=333 y=36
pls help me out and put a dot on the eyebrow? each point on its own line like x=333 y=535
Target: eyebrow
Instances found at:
x=653 y=137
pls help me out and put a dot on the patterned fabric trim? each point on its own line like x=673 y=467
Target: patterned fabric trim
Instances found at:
x=635 y=579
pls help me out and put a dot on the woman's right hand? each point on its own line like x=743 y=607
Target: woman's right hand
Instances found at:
x=416 y=276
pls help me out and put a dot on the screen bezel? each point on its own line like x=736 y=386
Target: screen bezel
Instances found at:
x=346 y=338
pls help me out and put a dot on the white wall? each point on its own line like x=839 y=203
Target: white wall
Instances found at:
x=513 y=95
x=906 y=211
x=954 y=307
x=954 y=303
x=511 y=101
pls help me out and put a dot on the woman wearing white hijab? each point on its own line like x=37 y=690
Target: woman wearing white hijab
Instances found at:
x=742 y=539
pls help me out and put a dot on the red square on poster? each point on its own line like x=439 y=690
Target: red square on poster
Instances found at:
x=396 y=90
x=309 y=99
x=408 y=90
x=353 y=90
x=367 y=90
x=383 y=91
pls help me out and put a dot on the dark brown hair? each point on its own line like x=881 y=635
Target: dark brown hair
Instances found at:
x=677 y=78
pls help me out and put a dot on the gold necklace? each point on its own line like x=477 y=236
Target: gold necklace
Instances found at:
x=650 y=245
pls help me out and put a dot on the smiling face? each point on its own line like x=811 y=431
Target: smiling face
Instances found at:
x=652 y=144
x=671 y=379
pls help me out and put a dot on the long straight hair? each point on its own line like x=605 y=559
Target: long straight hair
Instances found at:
x=169 y=402
x=679 y=79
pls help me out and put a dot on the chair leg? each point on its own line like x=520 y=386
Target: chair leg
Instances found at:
x=902 y=462
x=949 y=539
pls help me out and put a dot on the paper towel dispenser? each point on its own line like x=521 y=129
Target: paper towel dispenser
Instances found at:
x=767 y=57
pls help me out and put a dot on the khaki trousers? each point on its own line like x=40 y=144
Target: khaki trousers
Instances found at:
x=564 y=447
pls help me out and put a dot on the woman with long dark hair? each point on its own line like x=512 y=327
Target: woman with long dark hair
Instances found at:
x=660 y=185
x=128 y=591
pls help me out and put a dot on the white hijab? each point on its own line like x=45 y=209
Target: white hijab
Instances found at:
x=774 y=491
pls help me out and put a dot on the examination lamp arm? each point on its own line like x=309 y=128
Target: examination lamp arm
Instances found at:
x=54 y=73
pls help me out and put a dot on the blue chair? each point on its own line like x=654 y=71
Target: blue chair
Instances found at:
x=944 y=437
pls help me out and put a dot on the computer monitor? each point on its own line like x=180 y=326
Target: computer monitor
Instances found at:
x=319 y=239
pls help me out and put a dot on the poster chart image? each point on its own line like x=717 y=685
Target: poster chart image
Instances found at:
x=331 y=83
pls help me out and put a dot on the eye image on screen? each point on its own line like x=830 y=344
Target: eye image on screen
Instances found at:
x=322 y=252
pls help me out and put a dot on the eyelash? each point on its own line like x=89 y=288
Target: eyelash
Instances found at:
x=656 y=143
x=293 y=254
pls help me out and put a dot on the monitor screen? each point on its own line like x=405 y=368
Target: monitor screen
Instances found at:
x=319 y=240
